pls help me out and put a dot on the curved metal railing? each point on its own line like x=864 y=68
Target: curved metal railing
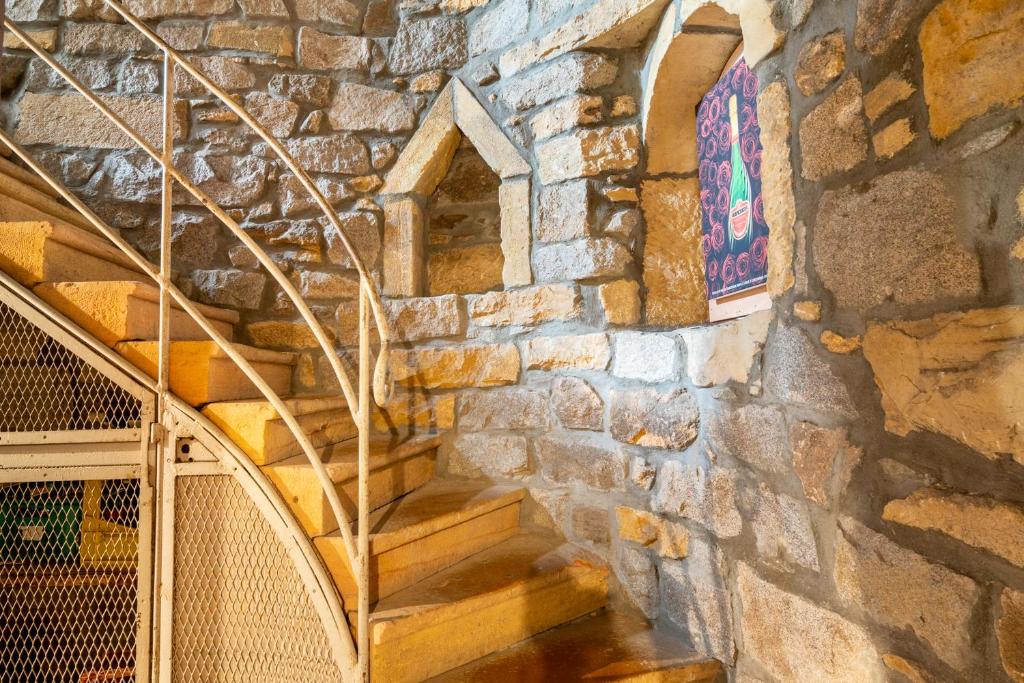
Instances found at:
x=371 y=310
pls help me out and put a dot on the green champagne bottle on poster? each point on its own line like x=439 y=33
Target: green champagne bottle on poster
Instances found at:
x=740 y=216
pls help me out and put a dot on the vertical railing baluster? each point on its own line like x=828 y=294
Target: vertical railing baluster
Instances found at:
x=363 y=642
x=167 y=156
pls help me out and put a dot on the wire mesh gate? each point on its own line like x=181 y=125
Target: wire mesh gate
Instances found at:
x=117 y=566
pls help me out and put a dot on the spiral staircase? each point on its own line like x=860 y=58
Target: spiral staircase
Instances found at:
x=438 y=577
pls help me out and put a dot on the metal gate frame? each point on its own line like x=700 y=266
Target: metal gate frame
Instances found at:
x=150 y=453
x=90 y=454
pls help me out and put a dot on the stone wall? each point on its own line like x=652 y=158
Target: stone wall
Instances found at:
x=829 y=490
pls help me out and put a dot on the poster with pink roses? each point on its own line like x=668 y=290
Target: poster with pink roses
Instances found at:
x=735 y=235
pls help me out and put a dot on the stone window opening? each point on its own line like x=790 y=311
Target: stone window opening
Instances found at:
x=687 y=56
x=456 y=205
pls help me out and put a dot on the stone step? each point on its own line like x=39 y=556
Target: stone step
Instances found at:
x=51 y=251
x=128 y=311
x=202 y=373
x=425 y=532
x=25 y=201
x=24 y=175
x=396 y=468
x=258 y=430
x=615 y=645
x=512 y=591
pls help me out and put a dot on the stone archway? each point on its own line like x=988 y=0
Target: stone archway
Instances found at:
x=421 y=168
x=695 y=43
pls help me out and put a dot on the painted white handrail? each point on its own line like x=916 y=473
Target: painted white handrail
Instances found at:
x=371 y=307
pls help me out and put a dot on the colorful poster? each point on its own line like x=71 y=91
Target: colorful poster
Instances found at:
x=735 y=240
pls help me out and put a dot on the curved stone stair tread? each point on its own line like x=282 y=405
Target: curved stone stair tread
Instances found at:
x=255 y=426
x=35 y=251
x=426 y=531
x=116 y=311
x=201 y=373
x=612 y=646
x=396 y=468
x=522 y=586
x=20 y=195
x=26 y=176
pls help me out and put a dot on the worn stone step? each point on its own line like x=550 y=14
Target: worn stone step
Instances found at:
x=259 y=431
x=24 y=175
x=128 y=311
x=51 y=251
x=396 y=468
x=523 y=586
x=25 y=201
x=202 y=373
x=425 y=532
x=615 y=645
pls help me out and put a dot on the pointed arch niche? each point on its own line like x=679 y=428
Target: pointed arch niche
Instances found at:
x=419 y=172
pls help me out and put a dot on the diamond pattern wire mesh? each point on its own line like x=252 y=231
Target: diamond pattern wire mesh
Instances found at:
x=68 y=581
x=241 y=612
x=44 y=387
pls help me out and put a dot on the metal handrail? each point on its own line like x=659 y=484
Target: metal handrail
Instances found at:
x=369 y=297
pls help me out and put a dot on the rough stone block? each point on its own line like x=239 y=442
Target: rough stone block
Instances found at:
x=232 y=288
x=910 y=220
x=429 y=43
x=452 y=367
x=465 y=270
x=70 y=120
x=972 y=60
x=895 y=137
x=644 y=356
x=577 y=404
x=716 y=355
x=820 y=62
x=666 y=538
x=568 y=459
x=706 y=496
x=635 y=569
x=583 y=259
x=591 y=524
x=338 y=153
x=579 y=352
x=833 y=137
x=572 y=73
x=500 y=26
x=589 y=152
x=782 y=529
x=1010 y=633
x=696 y=598
x=673 y=264
x=236 y=35
x=422 y=318
x=571 y=112
x=564 y=211
x=654 y=419
x=530 y=306
x=978 y=521
x=514 y=200
x=363 y=108
x=620 y=301
x=753 y=433
x=824 y=460
x=503 y=408
x=890 y=92
x=797 y=640
x=902 y=589
x=490 y=455
x=794 y=373
x=882 y=23
x=957 y=374
x=774 y=115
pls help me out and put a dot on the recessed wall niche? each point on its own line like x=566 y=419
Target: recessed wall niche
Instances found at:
x=457 y=205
